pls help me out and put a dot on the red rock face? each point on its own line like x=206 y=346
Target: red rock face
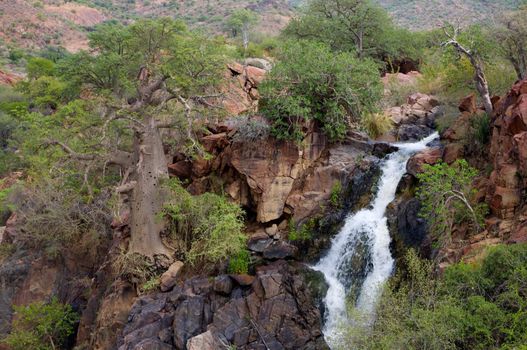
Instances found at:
x=468 y=104
x=508 y=153
x=429 y=156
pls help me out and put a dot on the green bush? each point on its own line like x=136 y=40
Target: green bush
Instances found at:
x=239 y=264
x=376 y=124
x=446 y=194
x=480 y=306
x=336 y=194
x=53 y=217
x=312 y=83
x=41 y=326
x=304 y=232
x=205 y=228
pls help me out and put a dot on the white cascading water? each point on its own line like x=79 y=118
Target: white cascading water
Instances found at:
x=365 y=233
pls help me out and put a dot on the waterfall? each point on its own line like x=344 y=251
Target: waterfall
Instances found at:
x=359 y=260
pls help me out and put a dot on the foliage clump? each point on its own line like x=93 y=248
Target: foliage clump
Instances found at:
x=205 y=228
x=303 y=232
x=376 y=124
x=42 y=326
x=52 y=218
x=479 y=306
x=312 y=83
x=447 y=198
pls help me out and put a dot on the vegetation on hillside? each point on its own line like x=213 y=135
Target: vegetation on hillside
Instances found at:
x=477 y=306
x=88 y=131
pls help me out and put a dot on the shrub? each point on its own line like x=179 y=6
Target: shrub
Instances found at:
x=53 y=217
x=446 y=195
x=479 y=306
x=335 y=195
x=302 y=233
x=136 y=268
x=251 y=130
x=312 y=83
x=205 y=228
x=41 y=326
x=376 y=124
x=239 y=264
x=478 y=135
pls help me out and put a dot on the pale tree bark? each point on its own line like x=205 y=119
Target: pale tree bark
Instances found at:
x=480 y=79
x=147 y=195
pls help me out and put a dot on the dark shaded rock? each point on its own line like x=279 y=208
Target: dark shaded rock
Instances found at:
x=317 y=286
x=280 y=250
x=413 y=132
x=223 y=284
x=277 y=309
x=410 y=227
x=381 y=149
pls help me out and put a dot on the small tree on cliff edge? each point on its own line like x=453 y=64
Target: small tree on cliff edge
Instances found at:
x=240 y=22
x=472 y=47
x=138 y=79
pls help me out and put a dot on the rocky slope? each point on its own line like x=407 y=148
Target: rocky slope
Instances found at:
x=501 y=185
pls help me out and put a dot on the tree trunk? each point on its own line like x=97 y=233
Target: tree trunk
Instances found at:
x=245 y=35
x=483 y=87
x=147 y=196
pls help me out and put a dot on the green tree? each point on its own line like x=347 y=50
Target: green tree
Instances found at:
x=151 y=75
x=475 y=44
x=240 y=22
x=511 y=35
x=311 y=83
x=355 y=25
x=446 y=196
x=37 y=67
x=42 y=326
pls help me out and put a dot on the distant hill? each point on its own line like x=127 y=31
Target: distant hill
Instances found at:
x=428 y=14
x=35 y=24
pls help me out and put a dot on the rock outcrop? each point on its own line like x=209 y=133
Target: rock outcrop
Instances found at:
x=413 y=120
x=275 y=311
x=508 y=152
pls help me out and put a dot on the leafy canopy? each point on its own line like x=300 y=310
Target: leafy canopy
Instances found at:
x=446 y=196
x=41 y=326
x=312 y=83
x=357 y=26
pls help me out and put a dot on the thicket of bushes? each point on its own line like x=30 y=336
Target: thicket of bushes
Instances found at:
x=470 y=307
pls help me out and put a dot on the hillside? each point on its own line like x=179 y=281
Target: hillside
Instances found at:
x=428 y=14
x=37 y=24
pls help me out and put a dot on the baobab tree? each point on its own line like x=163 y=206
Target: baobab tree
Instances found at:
x=139 y=80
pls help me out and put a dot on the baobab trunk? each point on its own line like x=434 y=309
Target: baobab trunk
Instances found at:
x=147 y=195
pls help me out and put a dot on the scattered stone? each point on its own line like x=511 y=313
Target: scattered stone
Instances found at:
x=468 y=104
x=223 y=284
x=259 y=63
x=243 y=280
x=271 y=230
x=169 y=277
x=204 y=341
